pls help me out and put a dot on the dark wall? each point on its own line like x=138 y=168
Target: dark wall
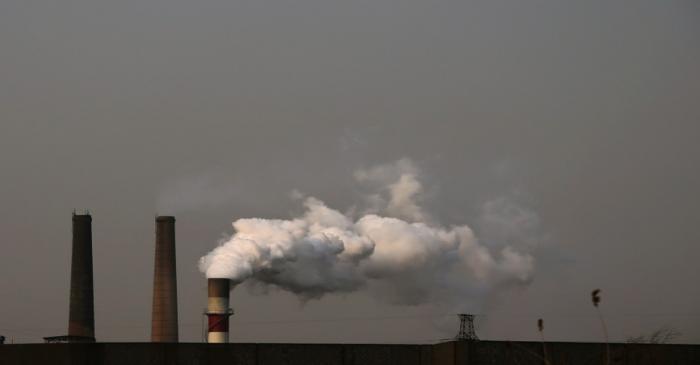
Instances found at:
x=204 y=354
x=450 y=353
x=571 y=353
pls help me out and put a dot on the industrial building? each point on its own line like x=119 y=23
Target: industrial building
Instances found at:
x=449 y=353
x=80 y=347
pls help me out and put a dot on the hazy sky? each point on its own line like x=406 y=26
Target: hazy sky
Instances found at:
x=217 y=110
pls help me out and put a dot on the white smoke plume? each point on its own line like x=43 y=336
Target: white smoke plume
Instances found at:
x=394 y=248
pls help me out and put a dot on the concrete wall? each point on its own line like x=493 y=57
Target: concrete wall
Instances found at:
x=572 y=353
x=205 y=354
x=450 y=353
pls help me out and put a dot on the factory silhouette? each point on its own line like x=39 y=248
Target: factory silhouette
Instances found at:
x=164 y=318
x=79 y=345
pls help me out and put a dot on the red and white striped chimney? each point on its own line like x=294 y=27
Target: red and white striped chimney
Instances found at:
x=218 y=310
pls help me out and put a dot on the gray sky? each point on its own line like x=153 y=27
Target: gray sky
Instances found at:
x=589 y=109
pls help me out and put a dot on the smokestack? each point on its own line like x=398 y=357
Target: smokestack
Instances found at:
x=218 y=310
x=164 y=317
x=81 y=319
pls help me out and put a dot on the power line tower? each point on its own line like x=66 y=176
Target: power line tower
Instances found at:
x=466 y=328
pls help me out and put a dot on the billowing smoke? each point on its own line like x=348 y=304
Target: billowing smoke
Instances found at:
x=394 y=247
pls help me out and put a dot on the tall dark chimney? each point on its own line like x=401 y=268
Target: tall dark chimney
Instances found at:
x=164 y=318
x=81 y=319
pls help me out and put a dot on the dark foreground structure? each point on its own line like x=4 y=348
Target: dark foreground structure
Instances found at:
x=81 y=316
x=81 y=319
x=164 y=311
x=448 y=353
